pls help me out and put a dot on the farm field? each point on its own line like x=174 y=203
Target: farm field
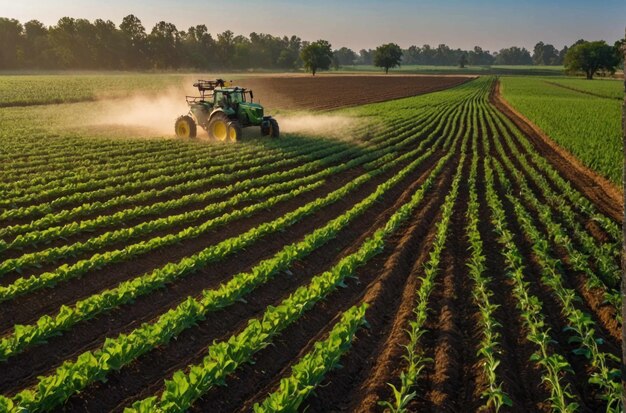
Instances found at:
x=286 y=91
x=435 y=252
x=582 y=116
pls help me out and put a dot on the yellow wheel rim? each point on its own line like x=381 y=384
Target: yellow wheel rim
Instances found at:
x=220 y=130
x=232 y=134
x=182 y=130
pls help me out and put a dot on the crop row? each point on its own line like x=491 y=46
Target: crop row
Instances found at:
x=554 y=365
x=587 y=126
x=415 y=358
x=325 y=155
x=23 y=285
x=327 y=280
x=309 y=372
x=224 y=357
x=25 y=335
x=580 y=324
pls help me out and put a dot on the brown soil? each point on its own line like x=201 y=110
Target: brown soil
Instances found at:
x=332 y=92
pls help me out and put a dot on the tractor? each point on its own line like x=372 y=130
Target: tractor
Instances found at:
x=223 y=111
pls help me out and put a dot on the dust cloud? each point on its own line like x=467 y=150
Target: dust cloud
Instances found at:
x=143 y=114
x=335 y=126
x=154 y=115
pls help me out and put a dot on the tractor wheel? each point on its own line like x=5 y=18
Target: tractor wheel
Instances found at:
x=234 y=131
x=218 y=127
x=265 y=128
x=185 y=127
x=274 y=129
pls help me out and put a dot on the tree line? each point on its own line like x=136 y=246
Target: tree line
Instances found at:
x=81 y=44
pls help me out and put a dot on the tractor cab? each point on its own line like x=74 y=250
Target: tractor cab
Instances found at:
x=223 y=111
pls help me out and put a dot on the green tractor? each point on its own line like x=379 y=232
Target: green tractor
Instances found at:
x=223 y=112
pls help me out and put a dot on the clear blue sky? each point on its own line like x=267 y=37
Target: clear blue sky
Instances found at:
x=491 y=24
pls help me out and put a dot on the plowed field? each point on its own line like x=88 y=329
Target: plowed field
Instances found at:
x=445 y=251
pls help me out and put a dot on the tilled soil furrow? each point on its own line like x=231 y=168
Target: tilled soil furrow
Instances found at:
x=451 y=339
x=131 y=382
x=585 y=222
x=521 y=378
x=578 y=381
x=84 y=336
x=389 y=307
x=592 y=302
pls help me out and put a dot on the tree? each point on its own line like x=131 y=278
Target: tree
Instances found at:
x=591 y=58
x=10 y=34
x=164 y=44
x=345 y=56
x=225 y=48
x=620 y=49
x=135 y=54
x=36 y=45
x=514 y=56
x=366 y=57
x=545 y=54
x=562 y=54
x=478 y=57
x=317 y=56
x=387 y=56
x=463 y=60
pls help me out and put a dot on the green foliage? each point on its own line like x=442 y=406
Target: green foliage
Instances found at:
x=317 y=56
x=311 y=369
x=592 y=57
x=587 y=126
x=388 y=56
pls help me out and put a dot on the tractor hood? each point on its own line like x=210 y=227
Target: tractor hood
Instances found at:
x=254 y=112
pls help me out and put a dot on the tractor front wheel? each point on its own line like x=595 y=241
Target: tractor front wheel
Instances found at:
x=234 y=131
x=185 y=127
x=274 y=129
x=218 y=127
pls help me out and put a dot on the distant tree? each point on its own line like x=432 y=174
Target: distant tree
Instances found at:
x=411 y=56
x=164 y=45
x=345 y=56
x=135 y=53
x=387 y=56
x=591 y=58
x=545 y=54
x=619 y=46
x=463 y=60
x=36 y=46
x=562 y=54
x=445 y=56
x=199 y=47
x=10 y=36
x=366 y=57
x=317 y=56
x=225 y=48
x=428 y=55
x=513 y=56
x=478 y=57
x=289 y=57
x=107 y=44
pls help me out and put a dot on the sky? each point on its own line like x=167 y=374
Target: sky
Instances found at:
x=491 y=24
